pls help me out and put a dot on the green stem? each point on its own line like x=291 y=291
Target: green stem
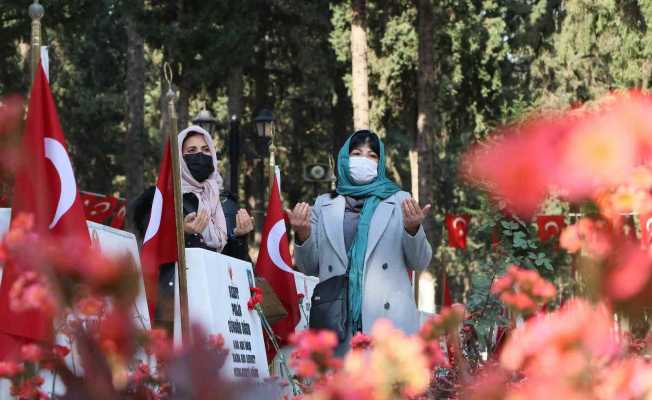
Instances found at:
x=284 y=367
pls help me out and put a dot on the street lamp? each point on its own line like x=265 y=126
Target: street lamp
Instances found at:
x=265 y=124
x=205 y=120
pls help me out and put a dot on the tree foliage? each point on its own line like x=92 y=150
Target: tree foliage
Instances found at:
x=496 y=60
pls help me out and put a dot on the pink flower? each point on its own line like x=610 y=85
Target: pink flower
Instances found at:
x=159 y=344
x=11 y=112
x=31 y=292
x=447 y=321
x=90 y=306
x=313 y=353
x=360 y=341
x=629 y=273
x=31 y=352
x=523 y=290
x=216 y=341
x=563 y=342
x=9 y=369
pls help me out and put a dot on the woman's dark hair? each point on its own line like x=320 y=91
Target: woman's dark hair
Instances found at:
x=365 y=137
x=189 y=135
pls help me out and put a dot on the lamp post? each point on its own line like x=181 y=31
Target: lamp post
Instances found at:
x=205 y=119
x=234 y=153
x=36 y=12
x=265 y=131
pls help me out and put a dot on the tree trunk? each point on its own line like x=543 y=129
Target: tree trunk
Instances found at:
x=426 y=117
x=183 y=104
x=235 y=93
x=359 y=68
x=135 y=138
x=340 y=115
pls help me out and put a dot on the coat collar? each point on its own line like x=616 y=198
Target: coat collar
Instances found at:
x=333 y=212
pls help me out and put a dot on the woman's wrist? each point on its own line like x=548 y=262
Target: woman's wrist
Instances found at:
x=412 y=230
x=302 y=235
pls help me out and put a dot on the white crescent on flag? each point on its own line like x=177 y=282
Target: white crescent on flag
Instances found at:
x=647 y=226
x=154 y=216
x=274 y=246
x=462 y=224
x=551 y=227
x=101 y=207
x=57 y=154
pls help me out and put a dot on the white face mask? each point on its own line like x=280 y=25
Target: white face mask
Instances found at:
x=362 y=170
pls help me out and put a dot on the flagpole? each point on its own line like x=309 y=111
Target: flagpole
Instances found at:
x=36 y=12
x=272 y=164
x=178 y=210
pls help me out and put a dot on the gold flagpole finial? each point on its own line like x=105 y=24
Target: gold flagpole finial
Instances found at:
x=36 y=12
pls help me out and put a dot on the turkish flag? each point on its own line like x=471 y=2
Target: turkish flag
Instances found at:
x=160 y=241
x=45 y=187
x=458 y=228
x=118 y=220
x=97 y=207
x=646 y=228
x=274 y=264
x=550 y=226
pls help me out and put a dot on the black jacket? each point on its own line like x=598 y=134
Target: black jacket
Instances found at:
x=236 y=246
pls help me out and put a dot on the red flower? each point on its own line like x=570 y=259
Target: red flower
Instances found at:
x=448 y=320
x=313 y=353
x=255 y=299
x=360 y=341
x=31 y=352
x=216 y=341
x=60 y=351
x=31 y=292
x=523 y=290
x=9 y=369
x=11 y=112
x=159 y=344
x=90 y=306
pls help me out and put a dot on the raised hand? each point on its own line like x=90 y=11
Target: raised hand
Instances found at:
x=413 y=215
x=195 y=223
x=244 y=223
x=300 y=220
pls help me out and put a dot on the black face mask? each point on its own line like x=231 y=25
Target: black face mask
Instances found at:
x=200 y=165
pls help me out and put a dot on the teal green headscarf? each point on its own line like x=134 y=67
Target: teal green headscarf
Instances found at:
x=374 y=192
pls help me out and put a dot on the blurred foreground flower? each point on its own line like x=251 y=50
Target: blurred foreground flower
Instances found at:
x=566 y=343
x=523 y=290
x=580 y=153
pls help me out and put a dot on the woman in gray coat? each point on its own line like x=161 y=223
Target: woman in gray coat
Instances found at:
x=370 y=228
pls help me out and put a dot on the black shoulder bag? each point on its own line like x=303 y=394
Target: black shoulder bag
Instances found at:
x=330 y=306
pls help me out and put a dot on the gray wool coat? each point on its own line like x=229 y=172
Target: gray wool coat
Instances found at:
x=391 y=252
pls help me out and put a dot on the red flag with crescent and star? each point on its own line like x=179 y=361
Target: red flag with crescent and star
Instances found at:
x=160 y=241
x=550 y=226
x=274 y=264
x=458 y=228
x=97 y=207
x=45 y=187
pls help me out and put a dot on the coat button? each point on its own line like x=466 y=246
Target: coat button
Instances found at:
x=385 y=266
x=330 y=268
x=387 y=306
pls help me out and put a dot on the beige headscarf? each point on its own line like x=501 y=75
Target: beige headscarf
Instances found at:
x=208 y=192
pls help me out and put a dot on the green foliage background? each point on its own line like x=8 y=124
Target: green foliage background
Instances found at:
x=496 y=61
